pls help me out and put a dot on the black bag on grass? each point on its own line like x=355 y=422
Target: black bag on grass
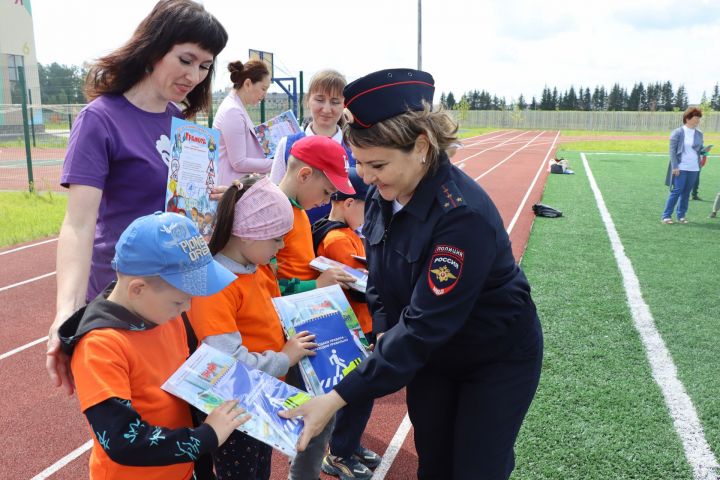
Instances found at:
x=546 y=211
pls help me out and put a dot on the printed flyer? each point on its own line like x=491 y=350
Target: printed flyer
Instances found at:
x=191 y=176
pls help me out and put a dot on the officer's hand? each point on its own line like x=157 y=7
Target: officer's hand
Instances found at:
x=316 y=413
x=676 y=172
x=334 y=276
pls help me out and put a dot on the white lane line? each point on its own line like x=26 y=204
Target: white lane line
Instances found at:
x=461 y=162
x=393 y=449
x=681 y=409
x=63 y=461
x=24 y=347
x=508 y=157
x=532 y=185
x=29 y=280
x=27 y=246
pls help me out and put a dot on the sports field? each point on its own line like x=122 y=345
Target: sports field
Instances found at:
x=628 y=307
x=599 y=413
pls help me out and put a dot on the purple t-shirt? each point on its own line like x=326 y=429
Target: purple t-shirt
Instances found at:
x=125 y=152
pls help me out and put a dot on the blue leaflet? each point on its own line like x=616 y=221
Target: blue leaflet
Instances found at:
x=337 y=353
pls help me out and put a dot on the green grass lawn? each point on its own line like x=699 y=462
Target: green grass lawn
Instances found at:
x=598 y=413
x=29 y=216
x=676 y=268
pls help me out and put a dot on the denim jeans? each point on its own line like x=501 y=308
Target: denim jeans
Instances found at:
x=682 y=185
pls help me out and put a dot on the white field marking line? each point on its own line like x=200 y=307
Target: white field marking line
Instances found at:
x=64 y=461
x=681 y=409
x=393 y=449
x=623 y=154
x=482 y=135
x=29 y=280
x=532 y=185
x=27 y=246
x=508 y=157
x=20 y=349
x=399 y=438
x=463 y=160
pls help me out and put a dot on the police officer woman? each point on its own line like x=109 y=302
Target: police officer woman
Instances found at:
x=458 y=325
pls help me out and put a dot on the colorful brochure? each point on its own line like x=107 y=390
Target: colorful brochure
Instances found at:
x=270 y=132
x=296 y=310
x=210 y=377
x=337 y=353
x=191 y=176
x=322 y=263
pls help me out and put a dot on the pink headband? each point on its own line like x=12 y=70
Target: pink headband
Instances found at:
x=263 y=212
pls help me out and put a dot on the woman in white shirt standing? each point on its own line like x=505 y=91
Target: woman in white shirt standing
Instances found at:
x=240 y=151
x=325 y=103
x=686 y=147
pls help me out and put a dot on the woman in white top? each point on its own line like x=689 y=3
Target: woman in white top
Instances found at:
x=325 y=103
x=686 y=148
x=240 y=151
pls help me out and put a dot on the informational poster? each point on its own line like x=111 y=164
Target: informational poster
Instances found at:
x=191 y=176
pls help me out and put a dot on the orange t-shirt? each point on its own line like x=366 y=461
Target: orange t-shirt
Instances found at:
x=341 y=244
x=244 y=306
x=294 y=259
x=132 y=365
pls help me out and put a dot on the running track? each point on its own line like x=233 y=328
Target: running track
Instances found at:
x=45 y=435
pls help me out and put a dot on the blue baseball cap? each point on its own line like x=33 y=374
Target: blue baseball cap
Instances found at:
x=360 y=187
x=169 y=245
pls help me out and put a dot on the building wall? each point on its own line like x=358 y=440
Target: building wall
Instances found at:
x=17 y=38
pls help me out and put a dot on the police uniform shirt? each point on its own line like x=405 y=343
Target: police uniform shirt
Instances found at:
x=443 y=284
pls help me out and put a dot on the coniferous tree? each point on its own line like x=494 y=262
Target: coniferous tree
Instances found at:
x=450 y=100
x=443 y=100
x=681 y=98
x=533 y=104
x=521 y=103
x=667 y=97
x=715 y=99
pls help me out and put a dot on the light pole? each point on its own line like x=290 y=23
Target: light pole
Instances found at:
x=419 y=62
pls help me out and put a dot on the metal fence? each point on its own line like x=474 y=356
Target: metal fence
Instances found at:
x=598 y=121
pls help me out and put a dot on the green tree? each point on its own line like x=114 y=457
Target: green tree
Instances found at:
x=443 y=100
x=450 y=100
x=521 y=103
x=681 y=98
x=61 y=83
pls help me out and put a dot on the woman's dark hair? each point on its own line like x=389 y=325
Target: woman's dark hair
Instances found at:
x=255 y=70
x=690 y=113
x=226 y=211
x=171 y=22
x=401 y=132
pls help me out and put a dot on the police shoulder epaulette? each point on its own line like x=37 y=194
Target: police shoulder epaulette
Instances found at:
x=450 y=196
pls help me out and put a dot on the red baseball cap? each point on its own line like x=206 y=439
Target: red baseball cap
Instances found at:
x=327 y=156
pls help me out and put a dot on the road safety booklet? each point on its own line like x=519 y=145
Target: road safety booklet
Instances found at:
x=270 y=132
x=191 y=175
x=319 y=311
x=210 y=377
x=323 y=263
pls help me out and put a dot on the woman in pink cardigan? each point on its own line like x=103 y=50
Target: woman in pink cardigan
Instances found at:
x=240 y=151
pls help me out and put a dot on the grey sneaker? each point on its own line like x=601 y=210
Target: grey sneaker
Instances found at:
x=367 y=457
x=345 y=468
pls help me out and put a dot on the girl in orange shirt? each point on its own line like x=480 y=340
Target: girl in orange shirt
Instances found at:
x=253 y=217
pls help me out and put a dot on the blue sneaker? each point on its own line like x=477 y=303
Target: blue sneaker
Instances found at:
x=367 y=457
x=345 y=468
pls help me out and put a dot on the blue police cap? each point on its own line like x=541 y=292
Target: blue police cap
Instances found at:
x=385 y=94
x=357 y=182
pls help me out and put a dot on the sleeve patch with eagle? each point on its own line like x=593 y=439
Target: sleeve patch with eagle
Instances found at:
x=446 y=264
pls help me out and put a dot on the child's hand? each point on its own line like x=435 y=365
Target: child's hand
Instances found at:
x=226 y=418
x=333 y=276
x=299 y=346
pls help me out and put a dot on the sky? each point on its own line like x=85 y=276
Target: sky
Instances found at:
x=506 y=47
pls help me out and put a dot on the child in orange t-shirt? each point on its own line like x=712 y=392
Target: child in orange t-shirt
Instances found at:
x=130 y=339
x=334 y=237
x=253 y=217
x=317 y=167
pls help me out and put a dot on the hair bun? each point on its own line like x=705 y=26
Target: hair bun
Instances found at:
x=236 y=66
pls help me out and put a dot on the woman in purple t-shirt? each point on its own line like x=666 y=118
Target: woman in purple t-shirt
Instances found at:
x=116 y=164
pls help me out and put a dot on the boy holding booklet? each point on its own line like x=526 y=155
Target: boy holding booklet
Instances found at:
x=130 y=339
